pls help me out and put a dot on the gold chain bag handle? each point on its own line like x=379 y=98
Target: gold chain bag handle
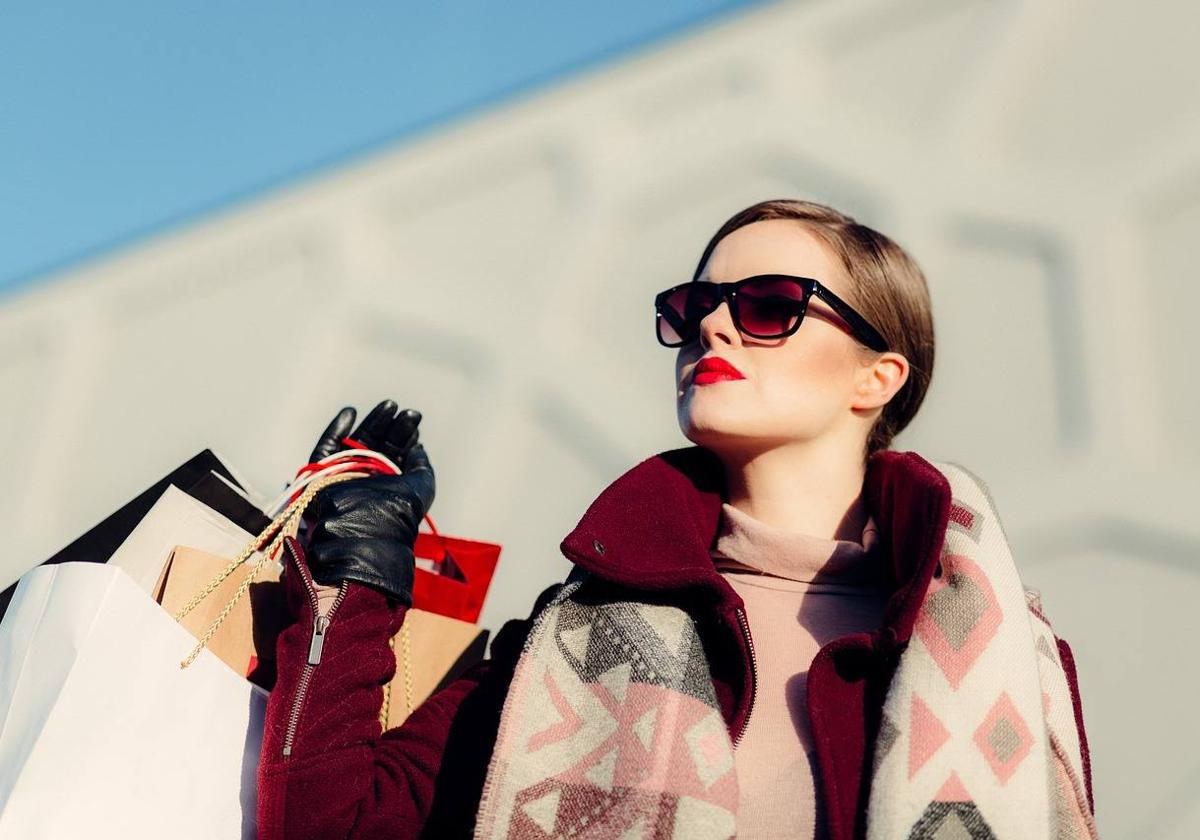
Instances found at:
x=406 y=647
x=286 y=524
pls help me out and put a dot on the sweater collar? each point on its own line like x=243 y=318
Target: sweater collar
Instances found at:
x=747 y=544
x=654 y=527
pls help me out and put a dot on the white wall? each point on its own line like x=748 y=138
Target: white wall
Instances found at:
x=1039 y=159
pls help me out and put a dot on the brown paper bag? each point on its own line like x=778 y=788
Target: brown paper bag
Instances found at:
x=245 y=641
x=437 y=648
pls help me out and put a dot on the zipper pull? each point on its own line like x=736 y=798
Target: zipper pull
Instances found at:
x=318 y=640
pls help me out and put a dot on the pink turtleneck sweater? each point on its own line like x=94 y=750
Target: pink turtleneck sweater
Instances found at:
x=800 y=592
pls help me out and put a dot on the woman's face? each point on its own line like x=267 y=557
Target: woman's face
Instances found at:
x=797 y=388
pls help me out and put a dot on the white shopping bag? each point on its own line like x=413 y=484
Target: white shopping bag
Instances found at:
x=102 y=734
x=175 y=519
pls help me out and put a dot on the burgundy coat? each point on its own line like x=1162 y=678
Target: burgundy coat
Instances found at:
x=326 y=771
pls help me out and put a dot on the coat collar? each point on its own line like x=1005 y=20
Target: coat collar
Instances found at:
x=652 y=528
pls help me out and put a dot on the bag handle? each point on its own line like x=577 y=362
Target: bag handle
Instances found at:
x=284 y=525
x=270 y=540
x=287 y=510
x=357 y=456
x=310 y=480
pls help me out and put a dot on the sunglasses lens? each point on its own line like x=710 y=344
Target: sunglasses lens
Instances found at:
x=682 y=312
x=767 y=308
x=770 y=307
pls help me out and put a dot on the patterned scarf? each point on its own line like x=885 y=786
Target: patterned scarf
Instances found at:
x=611 y=728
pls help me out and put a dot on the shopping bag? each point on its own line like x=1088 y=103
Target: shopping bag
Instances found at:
x=175 y=519
x=245 y=638
x=235 y=608
x=205 y=477
x=453 y=574
x=432 y=650
x=102 y=733
x=439 y=639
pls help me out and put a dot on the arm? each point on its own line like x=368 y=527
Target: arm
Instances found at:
x=340 y=777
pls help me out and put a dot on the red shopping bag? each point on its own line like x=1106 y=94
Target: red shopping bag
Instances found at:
x=459 y=574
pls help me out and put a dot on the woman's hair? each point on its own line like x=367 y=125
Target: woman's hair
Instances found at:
x=886 y=286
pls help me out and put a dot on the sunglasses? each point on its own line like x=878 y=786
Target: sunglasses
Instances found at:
x=763 y=306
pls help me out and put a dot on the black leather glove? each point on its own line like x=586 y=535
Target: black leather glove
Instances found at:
x=364 y=529
x=382 y=430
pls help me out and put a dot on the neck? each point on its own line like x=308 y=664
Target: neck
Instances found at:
x=799 y=486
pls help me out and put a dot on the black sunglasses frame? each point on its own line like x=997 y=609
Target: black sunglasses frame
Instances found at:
x=863 y=331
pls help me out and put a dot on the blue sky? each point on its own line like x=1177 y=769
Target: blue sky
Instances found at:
x=121 y=119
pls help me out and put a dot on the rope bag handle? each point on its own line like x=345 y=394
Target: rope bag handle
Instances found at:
x=288 y=511
x=286 y=524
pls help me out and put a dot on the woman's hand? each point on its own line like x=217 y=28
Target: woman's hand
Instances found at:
x=364 y=530
x=382 y=430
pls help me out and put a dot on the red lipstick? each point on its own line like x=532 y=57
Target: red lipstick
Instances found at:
x=714 y=369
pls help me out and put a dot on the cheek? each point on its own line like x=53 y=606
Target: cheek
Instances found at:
x=802 y=393
x=810 y=374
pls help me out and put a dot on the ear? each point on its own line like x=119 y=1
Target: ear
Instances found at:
x=879 y=380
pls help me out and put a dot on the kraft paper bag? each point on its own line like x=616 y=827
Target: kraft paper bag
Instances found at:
x=438 y=650
x=245 y=639
x=102 y=733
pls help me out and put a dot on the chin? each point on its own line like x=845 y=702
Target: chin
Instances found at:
x=726 y=414
x=719 y=434
x=724 y=430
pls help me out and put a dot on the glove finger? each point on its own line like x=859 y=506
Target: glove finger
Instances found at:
x=373 y=429
x=418 y=474
x=330 y=440
x=402 y=434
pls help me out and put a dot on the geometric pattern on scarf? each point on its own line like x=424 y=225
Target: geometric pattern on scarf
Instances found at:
x=610 y=729
x=978 y=736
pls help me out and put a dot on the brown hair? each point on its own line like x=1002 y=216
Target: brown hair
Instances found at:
x=886 y=286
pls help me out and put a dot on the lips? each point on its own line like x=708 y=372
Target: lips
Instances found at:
x=714 y=369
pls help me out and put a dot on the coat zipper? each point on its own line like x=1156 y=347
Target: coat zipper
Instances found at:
x=315 y=648
x=742 y=622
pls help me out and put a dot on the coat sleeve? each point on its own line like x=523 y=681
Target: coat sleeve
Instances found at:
x=326 y=770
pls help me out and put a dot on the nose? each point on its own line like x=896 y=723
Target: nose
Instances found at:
x=717 y=327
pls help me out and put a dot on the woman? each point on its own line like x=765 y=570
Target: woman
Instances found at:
x=734 y=649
